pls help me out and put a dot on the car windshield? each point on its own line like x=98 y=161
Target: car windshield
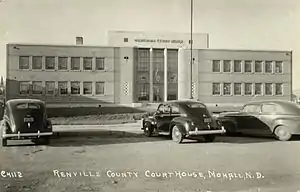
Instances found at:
x=28 y=106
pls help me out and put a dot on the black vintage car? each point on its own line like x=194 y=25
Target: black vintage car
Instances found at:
x=266 y=118
x=25 y=119
x=182 y=119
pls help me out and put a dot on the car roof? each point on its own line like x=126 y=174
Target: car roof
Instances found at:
x=273 y=101
x=182 y=102
x=18 y=101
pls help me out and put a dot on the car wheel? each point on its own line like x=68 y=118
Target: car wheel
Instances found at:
x=282 y=133
x=177 y=135
x=209 y=138
x=4 y=142
x=148 y=130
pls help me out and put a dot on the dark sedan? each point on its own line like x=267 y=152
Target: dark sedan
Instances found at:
x=25 y=119
x=182 y=119
x=266 y=118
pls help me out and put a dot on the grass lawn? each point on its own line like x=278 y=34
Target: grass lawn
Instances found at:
x=98 y=119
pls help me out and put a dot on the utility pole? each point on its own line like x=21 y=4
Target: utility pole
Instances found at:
x=191 y=63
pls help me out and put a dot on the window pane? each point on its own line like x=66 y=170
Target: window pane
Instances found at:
x=248 y=89
x=216 y=66
x=268 y=89
x=278 y=67
x=258 y=66
x=268 y=108
x=278 y=88
x=268 y=67
x=175 y=110
x=75 y=87
x=50 y=87
x=62 y=63
x=37 y=87
x=216 y=87
x=37 y=62
x=50 y=62
x=87 y=87
x=227 y=88
x=237 y=88
x=75 y=63
x=237 y=66
x=100 y=88
x=63 y=87
x=23 y=62
x=251 y=108
x=227 y=66
x=248 y=66
x=100 y=63
x=143 y=92
x=258 y=88
x=87 y=63
x=24 y=87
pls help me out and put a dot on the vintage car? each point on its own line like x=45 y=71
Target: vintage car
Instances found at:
x=266 y=118
x=182 y=119
x=25 y=119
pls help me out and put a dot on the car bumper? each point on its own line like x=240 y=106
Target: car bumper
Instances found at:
x=22 y=135
x=207 y=132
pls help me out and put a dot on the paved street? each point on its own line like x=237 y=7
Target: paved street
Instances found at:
x=110 y=160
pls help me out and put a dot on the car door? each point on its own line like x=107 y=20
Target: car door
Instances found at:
x=267 y=116
x=247 y=119
x=163 y=117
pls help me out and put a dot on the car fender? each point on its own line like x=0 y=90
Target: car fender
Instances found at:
x=290 y=124
x=182 y=122
x=227 y=120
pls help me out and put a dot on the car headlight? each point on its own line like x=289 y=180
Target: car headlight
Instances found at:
x=192 y=123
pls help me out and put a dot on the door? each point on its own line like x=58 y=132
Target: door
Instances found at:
x=248 y=120
x=163 y=117
x=268 y=114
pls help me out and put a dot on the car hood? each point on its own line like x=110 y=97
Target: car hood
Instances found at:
x=232 y=113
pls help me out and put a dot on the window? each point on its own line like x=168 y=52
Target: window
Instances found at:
x=237 y=66
x=100 y=88
x=79 y=40
x=216 y=65
x=248 y=89
x=28 y=106
x=278 y=67
x=268 y=108
x=63 y=87
x=227 y=89
x=248 y=67
x=125 y=40
x=37 y=87
x=37 y=62
x=268 y=67
x=278 y=89
x=175 y=110
x=251 y=109
x=258 y=89
x=24 y=87
x=216 y=87
x=100 y=63
x=50 y=63
x=50 y=87
x=87 y=88
x=258 y=67
x=227 y=66
x=237 y=88
x=62 y=63
x=24 y=62
x=75 y=87
x=87 y=63
x=143 y=91
x=268 y=89
x=75 y=63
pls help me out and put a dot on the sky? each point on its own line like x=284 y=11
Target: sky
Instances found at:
x=231 y=24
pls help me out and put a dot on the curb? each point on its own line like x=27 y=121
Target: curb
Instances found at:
x=100 y=133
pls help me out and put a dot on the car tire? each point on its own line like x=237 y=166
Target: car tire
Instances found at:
x=148 y=130
x=209 y=138
x=282 y=133
x=4 y=142
x=177 y=136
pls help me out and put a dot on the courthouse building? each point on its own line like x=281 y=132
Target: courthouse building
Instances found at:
x=139 y=67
